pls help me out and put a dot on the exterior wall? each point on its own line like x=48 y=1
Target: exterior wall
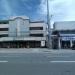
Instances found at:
x=24 y=28
x=19 y=28
x=16 y=33
x=36 y=24
x=64 y=25
x=45 y=29
x=3 y=32
x=4 y=26
x=12 y=28
x=42 y=24
x=22 y=39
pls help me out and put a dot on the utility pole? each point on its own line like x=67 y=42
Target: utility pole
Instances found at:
x=49 y=27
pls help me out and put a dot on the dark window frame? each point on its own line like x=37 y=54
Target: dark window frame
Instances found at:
x=36 y=28
x=36 y=35
x=4 y=29
x=4 y=22
x=4 y=35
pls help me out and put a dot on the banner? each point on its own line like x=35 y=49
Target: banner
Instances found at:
x=42 y=43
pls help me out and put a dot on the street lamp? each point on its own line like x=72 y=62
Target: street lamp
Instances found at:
x=49 y=27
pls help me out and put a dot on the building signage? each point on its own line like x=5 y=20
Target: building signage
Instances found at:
x=42 y=43
x=68 y=38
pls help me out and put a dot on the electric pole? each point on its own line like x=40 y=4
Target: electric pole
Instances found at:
x=49 y=27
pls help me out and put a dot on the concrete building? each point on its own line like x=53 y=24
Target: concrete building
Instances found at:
x=20 y=32
x=64 y=34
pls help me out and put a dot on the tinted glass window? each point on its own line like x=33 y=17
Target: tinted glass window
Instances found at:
x=3 y=29
x=4 y=35
x=37 y=35
x=36 y=28
x=5 y=22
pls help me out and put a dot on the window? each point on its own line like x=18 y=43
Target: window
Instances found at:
x=4 y=35
x=36 y=35
x=3 y=29
x=36 y=28
x=4 y=22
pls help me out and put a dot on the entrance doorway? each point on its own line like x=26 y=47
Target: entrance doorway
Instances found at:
x=20 y=44
x=65 y=44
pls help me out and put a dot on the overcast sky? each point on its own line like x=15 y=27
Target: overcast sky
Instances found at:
x=36 y=9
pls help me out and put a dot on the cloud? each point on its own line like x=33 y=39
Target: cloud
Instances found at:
x=42 y=9
x=7 y=9
x=10 y=8
x=27 y=4
x=61 y=9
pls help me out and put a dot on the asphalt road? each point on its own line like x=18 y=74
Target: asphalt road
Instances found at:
x=37 y=63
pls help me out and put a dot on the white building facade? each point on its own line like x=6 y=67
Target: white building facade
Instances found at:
x=65 y=34
x=20 y=32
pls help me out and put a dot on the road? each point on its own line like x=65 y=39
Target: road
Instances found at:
x=36 y=62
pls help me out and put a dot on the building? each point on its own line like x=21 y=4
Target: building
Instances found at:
x=20 y=32
x=64 y=34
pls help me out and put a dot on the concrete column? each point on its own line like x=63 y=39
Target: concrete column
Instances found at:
x=71 y=43
x=18 y=28
x=59 y=44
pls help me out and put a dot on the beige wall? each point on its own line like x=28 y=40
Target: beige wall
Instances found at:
x=4 y=25
x=36 y=24
x=23 y=38
x=64 y=25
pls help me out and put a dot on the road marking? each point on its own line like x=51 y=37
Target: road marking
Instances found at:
x=62 y=61
x=58 y=56
x=3 y=61
x=9 y=56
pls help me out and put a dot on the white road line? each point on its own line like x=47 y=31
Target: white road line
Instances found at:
x=62 y=61
x=3 y=61
x=58 y=56
x=9 y=56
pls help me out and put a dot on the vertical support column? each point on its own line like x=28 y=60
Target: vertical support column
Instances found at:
x=18 y=28
x=49 y=26
x=59 y=44
x=71 y=43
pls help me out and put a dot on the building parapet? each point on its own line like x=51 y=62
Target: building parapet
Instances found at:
x=22 y=39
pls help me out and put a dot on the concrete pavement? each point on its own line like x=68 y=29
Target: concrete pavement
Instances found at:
x=37 y=62
x=33 y=50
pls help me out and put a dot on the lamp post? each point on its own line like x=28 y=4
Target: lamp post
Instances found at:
x=49 y=27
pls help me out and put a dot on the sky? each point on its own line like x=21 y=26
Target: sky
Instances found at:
x=60 y=10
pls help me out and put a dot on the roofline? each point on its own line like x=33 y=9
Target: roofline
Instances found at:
x=12 y=19
x=22 y=19
x=16 y=18
x=3 y=20
x=63 y=21
x=64 y=30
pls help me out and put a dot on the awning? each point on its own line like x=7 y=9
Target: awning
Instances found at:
x=67 y=37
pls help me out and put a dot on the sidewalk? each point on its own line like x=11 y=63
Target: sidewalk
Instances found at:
x=23 y=50
x=35 y=50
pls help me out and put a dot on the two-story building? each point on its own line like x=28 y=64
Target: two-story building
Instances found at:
x=20 y=32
